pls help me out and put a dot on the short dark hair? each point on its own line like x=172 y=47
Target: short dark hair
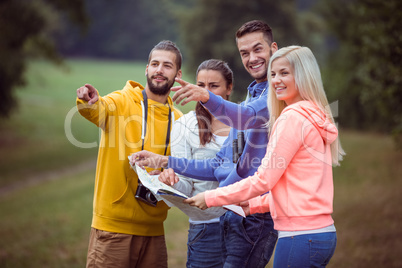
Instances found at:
x=256 y=26
x=168 y=46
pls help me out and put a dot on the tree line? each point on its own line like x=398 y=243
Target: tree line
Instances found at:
x=357 y=42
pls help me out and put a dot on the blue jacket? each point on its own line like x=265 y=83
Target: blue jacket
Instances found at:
x=250 y=116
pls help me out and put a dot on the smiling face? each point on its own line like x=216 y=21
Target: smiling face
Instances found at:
x=161 y=71
x=283 y=81
x=255 y=53
x=215 y=82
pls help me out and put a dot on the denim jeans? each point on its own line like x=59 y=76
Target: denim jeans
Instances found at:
x=247 y=242
x=310 y=250
x=204 y=246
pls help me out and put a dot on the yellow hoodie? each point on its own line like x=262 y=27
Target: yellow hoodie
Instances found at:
x=119 y=115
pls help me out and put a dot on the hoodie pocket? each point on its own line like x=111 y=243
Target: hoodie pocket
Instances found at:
x=123 y=206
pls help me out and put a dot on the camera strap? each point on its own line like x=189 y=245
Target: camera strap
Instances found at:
x=144 y=106
x=149 y=198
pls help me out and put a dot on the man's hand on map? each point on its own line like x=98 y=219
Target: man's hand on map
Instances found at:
x=168 y=177
x=148 y=159
x=155 y=172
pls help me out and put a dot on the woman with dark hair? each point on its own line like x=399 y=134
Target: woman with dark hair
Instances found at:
x=199 y=135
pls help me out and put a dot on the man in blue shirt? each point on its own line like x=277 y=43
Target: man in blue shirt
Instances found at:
x=247 y=242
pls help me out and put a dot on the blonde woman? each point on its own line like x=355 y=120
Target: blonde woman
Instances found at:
x=297 y=167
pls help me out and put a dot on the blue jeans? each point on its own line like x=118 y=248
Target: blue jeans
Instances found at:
x=247 y=242
x=310 y=250
x=204 y=246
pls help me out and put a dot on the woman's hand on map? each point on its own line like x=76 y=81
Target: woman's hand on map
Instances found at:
x=197 y=201
x=246 y=207
x=168 y=177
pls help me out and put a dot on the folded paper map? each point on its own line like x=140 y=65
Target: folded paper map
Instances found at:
x=173 y=197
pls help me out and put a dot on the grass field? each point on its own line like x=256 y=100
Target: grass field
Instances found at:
x=45 y=107
x=45 y=217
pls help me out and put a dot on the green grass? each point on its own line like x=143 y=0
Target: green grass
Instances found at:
x=47 y=224
x=34 y=139
x=367 y=205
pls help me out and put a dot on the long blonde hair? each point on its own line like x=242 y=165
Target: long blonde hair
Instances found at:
x=308 y=81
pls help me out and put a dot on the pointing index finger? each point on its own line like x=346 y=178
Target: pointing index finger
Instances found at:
x=181 y=82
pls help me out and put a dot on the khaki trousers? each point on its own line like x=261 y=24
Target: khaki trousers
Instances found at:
x=125 y=251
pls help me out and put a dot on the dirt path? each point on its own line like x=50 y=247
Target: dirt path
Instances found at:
x=48 y=176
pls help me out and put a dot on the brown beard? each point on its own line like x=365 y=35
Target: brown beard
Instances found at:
x=159 y=90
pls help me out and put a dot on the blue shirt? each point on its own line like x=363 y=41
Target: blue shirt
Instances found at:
x=250 y=116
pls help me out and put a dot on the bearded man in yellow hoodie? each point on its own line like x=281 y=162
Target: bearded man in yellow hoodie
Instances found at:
x=126 y=231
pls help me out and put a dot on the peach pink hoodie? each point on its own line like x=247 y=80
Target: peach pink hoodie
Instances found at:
x=297 y=170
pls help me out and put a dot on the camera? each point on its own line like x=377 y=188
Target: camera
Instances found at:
x=238 y=146
x=145 y=195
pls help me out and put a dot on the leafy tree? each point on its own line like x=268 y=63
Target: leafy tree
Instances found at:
x=208 y=31
x=365 y=73
x=24 y=33
x=206 y=28
x=120 y=29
